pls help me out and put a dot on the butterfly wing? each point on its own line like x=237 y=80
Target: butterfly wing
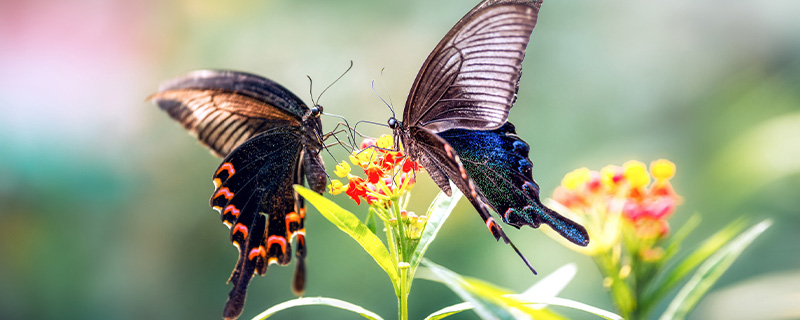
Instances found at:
x=435 y=154
x=255 y=198
x=269 y=144
x=499 y=158
x=470 y=80
x=468 y=84
x=226 y=108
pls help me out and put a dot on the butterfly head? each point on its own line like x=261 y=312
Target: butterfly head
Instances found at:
x=316 y=111
x=394 y=123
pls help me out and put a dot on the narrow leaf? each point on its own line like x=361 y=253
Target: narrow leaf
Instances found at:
x=371 y=223
x=552 y=284
x=538 y=296
x=673 y=245
x=336 y=303
x=675 y=275
x=488 y=301
x=449 y=311
x=709 y=272
x=350 y=224
x=440 y=209
x=572 y=304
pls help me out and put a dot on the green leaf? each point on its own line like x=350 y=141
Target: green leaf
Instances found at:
x=552 y=284
x=539 y=295
x=449 y=311
x=673 y=245
x=659 y=288
x=336 y=303
x=350 y=224
x=371 y=223
x=488 y=301
x=710 y=271
x=440 y=209
x=572 y=304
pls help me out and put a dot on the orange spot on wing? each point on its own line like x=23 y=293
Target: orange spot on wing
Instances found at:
x=302 y=213
x=273 y=260
x=291 y=217
x=508 y=213
x=232 y=210
x=225 y=193
x=491 y=224
x=463 y=173
x=279 y=240
x=217 y=182
x=260 y=251
x=228 y=167
x=240 y=228
x=449 y=150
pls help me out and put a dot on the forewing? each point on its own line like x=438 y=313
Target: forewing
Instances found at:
x=256 y=200
x=225 y=108
x=470 y=80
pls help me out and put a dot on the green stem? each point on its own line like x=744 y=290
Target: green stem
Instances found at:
x=403 y=298
x=620 y=292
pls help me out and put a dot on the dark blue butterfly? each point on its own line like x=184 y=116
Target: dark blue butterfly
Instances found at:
x=270 y=140
x=455 y=119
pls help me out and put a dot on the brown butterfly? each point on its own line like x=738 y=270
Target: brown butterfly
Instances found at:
x=455 y=122
x=270 y=140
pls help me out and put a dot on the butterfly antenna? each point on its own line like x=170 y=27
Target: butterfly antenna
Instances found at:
x=389 y=96
x=384 y=101
x=334 y=82
x=311 y=90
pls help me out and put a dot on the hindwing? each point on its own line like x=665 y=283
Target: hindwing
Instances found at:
x=436 y=155
x=497 y=160
x=256 y=200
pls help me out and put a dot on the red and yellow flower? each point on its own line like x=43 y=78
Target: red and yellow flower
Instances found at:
x=621 y=200
x=388 y=173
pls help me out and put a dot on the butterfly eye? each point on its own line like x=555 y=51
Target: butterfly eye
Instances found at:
x=393 y=123
x=316 y=110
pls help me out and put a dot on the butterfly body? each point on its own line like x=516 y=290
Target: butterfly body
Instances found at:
x=270 y=140
x=455 y=121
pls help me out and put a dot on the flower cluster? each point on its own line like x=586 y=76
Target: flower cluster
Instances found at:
x=627 y=198
x=389 y=173
x=388 y=177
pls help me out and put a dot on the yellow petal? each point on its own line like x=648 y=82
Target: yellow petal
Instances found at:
x=636 y=173
x=662 y=169
x=342 y=170
x=385 y=141
x=576 y=178
x=335 y=187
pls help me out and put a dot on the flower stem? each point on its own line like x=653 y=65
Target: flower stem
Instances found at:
x=621 y=293
x=403 y=298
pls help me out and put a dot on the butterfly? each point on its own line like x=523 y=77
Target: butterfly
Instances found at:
x=269 y=140
x=455 y=121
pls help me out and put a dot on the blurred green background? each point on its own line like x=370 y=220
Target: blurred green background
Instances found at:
x=104 y=198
